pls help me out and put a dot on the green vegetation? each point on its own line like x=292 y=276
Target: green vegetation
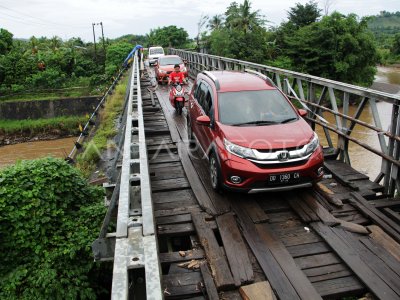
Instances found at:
x=42 y=67
x=87 y=160
x=49 y=217
x=60 y=126
x=386 y=28
x=336 y=46
x=168 y=36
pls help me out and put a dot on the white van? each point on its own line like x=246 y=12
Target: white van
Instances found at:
x=154 y=54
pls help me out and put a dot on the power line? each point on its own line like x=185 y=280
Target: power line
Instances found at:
x=42 y=20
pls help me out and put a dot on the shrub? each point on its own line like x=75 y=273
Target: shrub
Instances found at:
x=49 y=217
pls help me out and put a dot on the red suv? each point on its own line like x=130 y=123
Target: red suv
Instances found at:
x=254 y=138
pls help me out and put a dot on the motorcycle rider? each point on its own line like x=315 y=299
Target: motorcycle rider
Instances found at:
x=176 y=76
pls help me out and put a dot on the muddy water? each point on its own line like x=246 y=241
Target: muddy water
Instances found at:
x=31 y=150
x=361 y=159
x=390 y=75
x=387 y=80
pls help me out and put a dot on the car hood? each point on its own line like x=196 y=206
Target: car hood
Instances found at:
x=277 y=136
x=170 y=68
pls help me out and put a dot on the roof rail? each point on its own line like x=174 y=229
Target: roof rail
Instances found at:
x=213 y=78
x=261 y=75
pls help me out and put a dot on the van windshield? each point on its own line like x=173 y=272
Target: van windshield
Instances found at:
x=164 y=61
x=157 y=51
x=254 y=108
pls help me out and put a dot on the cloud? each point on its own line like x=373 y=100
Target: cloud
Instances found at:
x=74 y=18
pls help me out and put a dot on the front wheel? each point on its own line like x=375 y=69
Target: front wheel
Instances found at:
x=215 y=172
x=178 y=105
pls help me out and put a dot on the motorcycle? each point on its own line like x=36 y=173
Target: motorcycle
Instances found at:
x=177 y=97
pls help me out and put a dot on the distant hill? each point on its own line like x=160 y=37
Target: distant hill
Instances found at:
x=385 y=24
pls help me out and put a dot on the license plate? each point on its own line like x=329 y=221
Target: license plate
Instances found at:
x=283 y=178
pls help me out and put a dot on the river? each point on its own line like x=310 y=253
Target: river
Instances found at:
x=387 y=79
x=31 y=150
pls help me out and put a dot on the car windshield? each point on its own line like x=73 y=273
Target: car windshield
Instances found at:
x=170 y=61
x=156 y=51
x=254 y=108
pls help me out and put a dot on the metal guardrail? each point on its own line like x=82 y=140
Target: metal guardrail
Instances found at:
x=311 y=92
x=91 y=121
x=136 y=244
x=133 y=245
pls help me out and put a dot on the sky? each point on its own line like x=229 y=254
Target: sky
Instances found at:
x=74 y=18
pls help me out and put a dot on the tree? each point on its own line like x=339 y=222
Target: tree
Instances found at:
x=302 y=15
x=6 y=41
x=169 y=36
x=338 y=47
x=216 y=22
x=395 y=49
x=116 y=53
x=241 y=17
x=200 y=24
x=242 y=36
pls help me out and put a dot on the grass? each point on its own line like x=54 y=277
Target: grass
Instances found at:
x=60 y=125
x=37 y=96
x=86 y=161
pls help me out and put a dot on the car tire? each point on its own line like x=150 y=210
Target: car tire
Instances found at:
x=215 y=172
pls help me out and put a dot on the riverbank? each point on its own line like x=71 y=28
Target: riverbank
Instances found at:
x=21 y=131
x=387 y=79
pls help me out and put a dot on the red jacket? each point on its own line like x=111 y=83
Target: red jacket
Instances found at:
x=176 y=76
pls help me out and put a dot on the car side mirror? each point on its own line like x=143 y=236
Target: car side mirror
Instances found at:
x=302 y=112
x=203 y=120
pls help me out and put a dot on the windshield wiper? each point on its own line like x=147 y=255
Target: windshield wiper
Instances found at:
x=259 y=122
x=288 y=120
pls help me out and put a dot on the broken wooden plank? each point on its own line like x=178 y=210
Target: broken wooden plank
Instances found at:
x=353 y=227
x=219 y=266
x=305 y=213
x=375 y=215
x=339 y=288
x=257 y=291
x=389 y=274
x=198 y=189
x=269 y=265
x=382 y=253
x=382 y=238
x=328 y=194
x=235 y=249
x=323 y=214
x=255 y=212
x=169 y=184
x=395 y=216
x=175 y=257
x=297 y=278
x=308 y=249
x=350 y=256
x=211 y=289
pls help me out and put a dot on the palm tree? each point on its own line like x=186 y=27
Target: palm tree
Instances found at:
x=216 y=22
x=242 y=17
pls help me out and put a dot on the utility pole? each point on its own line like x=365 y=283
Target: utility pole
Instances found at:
x=102 y=34
x=94 y=40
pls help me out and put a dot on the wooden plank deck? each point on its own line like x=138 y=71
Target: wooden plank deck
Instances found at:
x=289 y=236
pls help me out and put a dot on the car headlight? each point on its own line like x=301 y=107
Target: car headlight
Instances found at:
x=313 y=145
x=239 y=150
